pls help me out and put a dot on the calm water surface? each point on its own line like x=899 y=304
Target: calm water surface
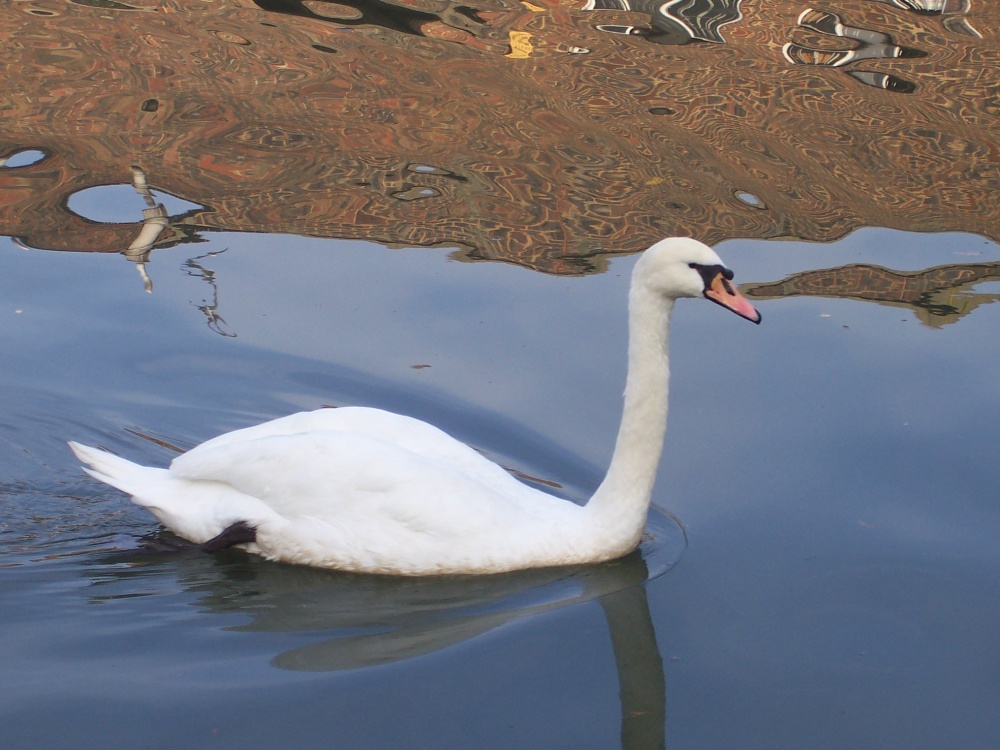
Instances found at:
x=832 y=469
x=825 y=573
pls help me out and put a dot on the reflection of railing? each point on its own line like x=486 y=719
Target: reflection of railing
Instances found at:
x=870 y=44
x=952 y=12
x=209 y=308
x=674 y=21
x=938 y=296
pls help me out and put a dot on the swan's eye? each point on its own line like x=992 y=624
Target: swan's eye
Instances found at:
x=708 y=273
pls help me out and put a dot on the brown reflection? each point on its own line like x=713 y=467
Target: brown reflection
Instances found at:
x=521 y=132
x=937 y=296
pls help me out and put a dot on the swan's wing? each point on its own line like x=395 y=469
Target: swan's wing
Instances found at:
x=387 y=427
x=352 y=501
x=331 y=476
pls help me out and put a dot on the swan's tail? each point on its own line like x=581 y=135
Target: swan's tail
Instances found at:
x=111 y=469
x=195 y=510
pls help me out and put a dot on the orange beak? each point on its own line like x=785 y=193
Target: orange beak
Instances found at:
x=722 y=292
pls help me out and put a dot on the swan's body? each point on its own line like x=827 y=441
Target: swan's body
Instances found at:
x=366 y=490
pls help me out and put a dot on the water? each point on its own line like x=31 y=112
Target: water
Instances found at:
x=831 y=469
x=827 y=576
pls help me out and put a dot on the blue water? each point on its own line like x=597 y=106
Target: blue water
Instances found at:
x=833 y=470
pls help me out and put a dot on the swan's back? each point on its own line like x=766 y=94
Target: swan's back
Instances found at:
x=413 y=435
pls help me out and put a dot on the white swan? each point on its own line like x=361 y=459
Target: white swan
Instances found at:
x=366 y=490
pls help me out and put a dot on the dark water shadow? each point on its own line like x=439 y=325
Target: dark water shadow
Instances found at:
x=368 y=620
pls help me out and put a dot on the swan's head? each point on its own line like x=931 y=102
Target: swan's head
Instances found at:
x=683 y=267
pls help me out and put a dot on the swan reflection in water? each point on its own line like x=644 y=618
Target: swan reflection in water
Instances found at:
x=368 y=620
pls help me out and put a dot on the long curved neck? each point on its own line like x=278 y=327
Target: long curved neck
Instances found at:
x=621 y=502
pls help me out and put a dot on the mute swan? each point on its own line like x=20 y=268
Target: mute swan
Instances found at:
x=365 y=490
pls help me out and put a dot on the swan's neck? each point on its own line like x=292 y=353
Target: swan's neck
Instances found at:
x=620 y=504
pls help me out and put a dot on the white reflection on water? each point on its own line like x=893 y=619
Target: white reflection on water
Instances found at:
x=358 y=621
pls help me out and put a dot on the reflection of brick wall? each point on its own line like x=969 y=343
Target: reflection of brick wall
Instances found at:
x=281 y=123
x=938 y=295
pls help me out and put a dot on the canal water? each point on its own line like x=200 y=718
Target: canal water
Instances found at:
x=435 y=209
